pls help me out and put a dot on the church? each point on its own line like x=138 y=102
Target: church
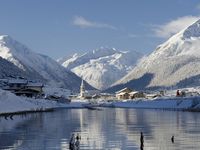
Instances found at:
x=86 y=94
x=82 y=90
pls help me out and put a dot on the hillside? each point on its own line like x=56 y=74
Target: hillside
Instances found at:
x=175 y=63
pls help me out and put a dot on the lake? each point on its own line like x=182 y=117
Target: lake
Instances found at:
x=109 y=128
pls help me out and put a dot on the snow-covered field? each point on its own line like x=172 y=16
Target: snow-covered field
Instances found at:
x=10 y=103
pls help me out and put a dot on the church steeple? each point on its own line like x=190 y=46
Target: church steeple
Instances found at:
x=82 y=89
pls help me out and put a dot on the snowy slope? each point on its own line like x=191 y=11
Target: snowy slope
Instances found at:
x=101 y=67
x=37 y=64
x=7 y=69
x=174 y=63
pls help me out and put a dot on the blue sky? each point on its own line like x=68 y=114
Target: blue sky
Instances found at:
x=62 y=27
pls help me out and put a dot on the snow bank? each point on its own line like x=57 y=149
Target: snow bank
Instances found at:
x=10 y=103
x=162 y=103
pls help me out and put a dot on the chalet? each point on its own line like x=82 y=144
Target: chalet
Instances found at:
x=16 y=84
x=23 y=87
x=124 y=93
x=35 y=86
x=152 y=96
x=136 y=94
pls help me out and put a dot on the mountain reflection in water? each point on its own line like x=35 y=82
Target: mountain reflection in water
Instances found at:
x=107 y=129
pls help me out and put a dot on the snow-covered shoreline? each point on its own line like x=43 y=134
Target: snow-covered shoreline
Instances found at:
x=173 y=103
x=10 y=103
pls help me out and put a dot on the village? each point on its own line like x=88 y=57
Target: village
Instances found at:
x=37 y=90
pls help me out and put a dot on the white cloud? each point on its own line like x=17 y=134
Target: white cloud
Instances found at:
x=174 y=26
x=84 y=23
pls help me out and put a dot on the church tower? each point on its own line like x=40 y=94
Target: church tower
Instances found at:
x=82 y=90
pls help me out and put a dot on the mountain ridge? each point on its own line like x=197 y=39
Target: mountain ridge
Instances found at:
x=101 y=67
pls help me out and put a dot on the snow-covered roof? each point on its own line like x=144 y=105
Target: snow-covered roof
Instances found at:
x=35 y=84
x=123 y=90
x=122 y=93
x=134 y=92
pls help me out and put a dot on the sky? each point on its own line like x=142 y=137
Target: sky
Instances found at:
x=59 y=28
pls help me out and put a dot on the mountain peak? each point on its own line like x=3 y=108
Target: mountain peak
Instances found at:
x=10 y=45
x=192 y=31
x=1 y=36
x=5 y=38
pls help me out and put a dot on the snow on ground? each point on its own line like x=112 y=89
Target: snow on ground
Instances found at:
x=161 y=103
x=11 y=103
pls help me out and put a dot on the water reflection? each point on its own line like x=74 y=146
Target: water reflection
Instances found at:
x=106 y=129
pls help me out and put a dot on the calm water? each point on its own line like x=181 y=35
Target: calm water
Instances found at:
x=106 y=129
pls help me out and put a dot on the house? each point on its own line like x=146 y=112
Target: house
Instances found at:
x=16 y=84
x=152 y=96
x=31 y=89
x=124 y=93
x=35 y=86
x=136 y=94
x=23 y=87
x=27 y=92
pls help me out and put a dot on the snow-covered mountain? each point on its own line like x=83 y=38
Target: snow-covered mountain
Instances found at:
x=7 y=69
x=174 y=63
x=37 y=65
x=101 y=67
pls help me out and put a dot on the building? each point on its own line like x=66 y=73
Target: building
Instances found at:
x=35 y=86
x=86 y=94
x=16 y=84
x=124 y=93
x=23 y=87
x=136 y=94
x=82 y=90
